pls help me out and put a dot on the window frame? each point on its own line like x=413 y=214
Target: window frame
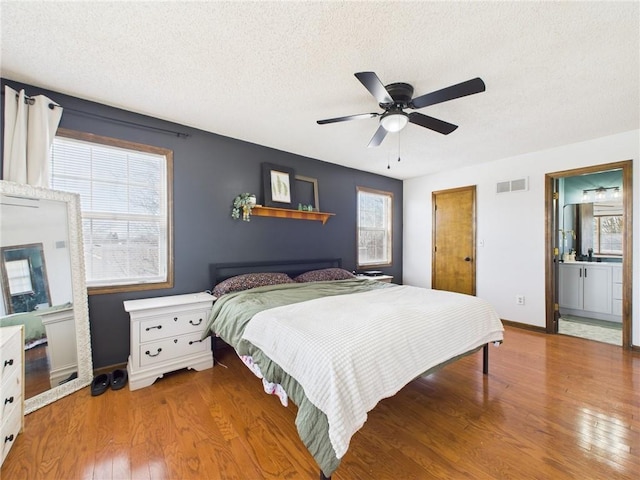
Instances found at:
x=389 y=228
x=168 y=282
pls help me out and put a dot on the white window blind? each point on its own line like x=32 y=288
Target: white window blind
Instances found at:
x=374 y=227
x=124 y=203
x=19 y=276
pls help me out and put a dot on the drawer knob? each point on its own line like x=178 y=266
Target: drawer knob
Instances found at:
x=8 y=400
x=8 y=439
x=195 y=324
x=153 y=354
x=159 y=327
x=8 y=362
x=191 y=342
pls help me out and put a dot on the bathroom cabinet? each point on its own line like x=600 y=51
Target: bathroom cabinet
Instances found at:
x=616 y=294
x=587 y=289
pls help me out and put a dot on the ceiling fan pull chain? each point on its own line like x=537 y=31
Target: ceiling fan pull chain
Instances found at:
x=398 y=146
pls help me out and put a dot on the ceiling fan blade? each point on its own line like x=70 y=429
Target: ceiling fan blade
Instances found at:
x=372 y=83
x=463 y=89
x=378 y=137
x=431 y=123
x=348 y=117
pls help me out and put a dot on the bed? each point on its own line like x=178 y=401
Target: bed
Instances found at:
x=336 y=345
x=34 y=331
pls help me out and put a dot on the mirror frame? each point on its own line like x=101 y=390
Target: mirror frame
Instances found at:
x=79 y=291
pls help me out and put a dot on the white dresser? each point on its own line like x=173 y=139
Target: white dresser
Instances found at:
x=165 y=336
x=11 y=386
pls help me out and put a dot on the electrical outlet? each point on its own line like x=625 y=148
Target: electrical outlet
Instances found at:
x=519 y=299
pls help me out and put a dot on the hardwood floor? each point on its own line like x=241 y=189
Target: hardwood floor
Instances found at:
x=552 y=407
x=36 y=370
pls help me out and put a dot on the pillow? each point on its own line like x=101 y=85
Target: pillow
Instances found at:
x=249 y=280
x=324 y=275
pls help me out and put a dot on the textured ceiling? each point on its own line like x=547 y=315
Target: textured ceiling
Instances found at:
x=264 y=72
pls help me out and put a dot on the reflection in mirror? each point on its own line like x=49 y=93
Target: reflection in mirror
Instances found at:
x=25 y=283
x=592 y=227
x=43 y=289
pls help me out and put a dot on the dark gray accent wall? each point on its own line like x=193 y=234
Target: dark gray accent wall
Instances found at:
x=209 y=170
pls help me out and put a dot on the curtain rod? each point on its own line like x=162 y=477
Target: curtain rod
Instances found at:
x=30 y=101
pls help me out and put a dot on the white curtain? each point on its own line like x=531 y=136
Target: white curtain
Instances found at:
x=29 y=129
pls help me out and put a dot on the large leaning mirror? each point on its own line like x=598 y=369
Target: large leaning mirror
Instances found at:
x=43 y=289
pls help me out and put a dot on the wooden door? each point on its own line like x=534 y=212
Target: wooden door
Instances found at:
x=454 y=240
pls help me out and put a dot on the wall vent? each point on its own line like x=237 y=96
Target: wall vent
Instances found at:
x=518 y=185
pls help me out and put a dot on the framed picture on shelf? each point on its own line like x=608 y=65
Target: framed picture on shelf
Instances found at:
x=307 y=192
x=278 y=182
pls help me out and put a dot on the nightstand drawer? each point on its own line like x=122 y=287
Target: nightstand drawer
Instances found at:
x=10 y=394
x=167 y=326
x=10 y=429
x=170 y=348
x=10 y=360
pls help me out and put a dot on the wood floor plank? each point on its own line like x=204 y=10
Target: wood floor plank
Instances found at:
x=552 y=407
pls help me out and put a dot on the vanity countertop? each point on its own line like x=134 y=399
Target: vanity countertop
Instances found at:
x=595 y=263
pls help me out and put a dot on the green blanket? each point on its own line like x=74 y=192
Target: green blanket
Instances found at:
x=232 y=312
x=33 y=328
x=34 y=331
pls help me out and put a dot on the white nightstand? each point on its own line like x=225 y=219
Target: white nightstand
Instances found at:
x=165 y=336
x=378 y=278
x=11 y=386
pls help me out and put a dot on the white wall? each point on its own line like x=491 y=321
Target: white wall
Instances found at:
x=512 y=225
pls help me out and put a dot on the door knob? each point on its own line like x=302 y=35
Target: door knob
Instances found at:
x=467 y=259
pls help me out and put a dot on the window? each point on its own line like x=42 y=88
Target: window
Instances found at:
x=125 y=198
x=19 y=276
x=374 y=227
x=607 y=234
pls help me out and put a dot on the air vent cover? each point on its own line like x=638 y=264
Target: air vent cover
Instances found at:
x=518 y=185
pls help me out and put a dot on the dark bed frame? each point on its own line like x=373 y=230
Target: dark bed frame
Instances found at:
x=222 y=271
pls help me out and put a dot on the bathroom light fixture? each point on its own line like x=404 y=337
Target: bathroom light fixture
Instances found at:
x=600 y=194
x=394 y=121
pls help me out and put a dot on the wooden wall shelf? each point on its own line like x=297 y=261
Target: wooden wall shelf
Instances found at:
x=288 y=213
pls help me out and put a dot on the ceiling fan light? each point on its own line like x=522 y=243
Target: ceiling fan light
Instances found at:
x=394 y=121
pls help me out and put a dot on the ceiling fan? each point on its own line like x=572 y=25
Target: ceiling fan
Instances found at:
x=396 y=97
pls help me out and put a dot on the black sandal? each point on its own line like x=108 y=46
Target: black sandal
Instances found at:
x=118 y=379
x=100 y=384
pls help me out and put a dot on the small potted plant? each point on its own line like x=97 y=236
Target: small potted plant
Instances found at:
x=243 y=204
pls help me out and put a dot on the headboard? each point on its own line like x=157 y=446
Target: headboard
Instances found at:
x=222 y=271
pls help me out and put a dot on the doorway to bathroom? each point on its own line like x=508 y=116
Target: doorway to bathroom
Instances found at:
x=588 y=246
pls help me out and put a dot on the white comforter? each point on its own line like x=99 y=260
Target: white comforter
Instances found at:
x=350 y=351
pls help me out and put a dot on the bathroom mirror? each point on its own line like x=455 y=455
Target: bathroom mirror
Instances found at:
x=43 y=289
x=577 y=232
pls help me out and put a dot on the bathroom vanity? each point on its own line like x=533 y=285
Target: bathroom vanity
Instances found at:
x=591 y=289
